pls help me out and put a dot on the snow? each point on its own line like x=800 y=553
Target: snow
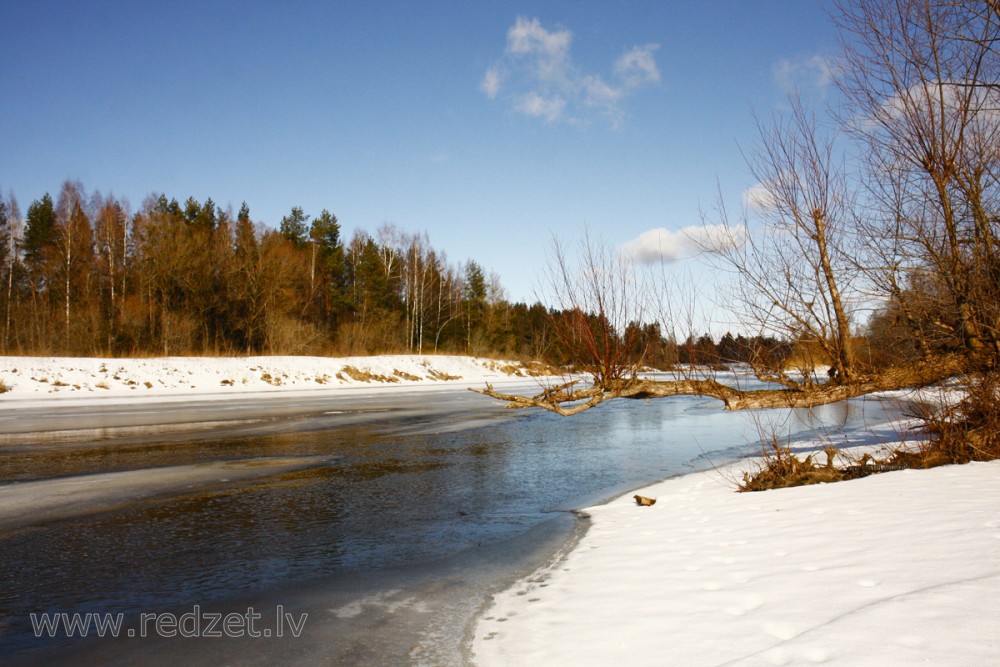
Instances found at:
x=899 y=568
x=67 y=377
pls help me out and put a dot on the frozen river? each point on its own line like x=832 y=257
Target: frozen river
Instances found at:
x=387 y=517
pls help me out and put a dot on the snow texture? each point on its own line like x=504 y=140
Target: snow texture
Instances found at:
x=65 y=377
x=900 y=568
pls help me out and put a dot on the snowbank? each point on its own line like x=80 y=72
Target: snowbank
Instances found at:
x=36 y=377
x=893 y=569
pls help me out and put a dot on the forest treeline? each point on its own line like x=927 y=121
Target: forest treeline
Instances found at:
x=84 y=275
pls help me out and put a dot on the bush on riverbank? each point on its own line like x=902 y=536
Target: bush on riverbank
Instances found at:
x=966 y=431
x=780 y=468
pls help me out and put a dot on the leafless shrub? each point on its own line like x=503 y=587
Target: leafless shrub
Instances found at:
x=373 y=335
x=597 y=294
x=289 y=336
x=779 y=467
x=966 y=431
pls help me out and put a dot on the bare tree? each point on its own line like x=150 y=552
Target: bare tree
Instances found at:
x=921 y=77
x=597 y=297
x=10 y=235
x=418 y=271
x=448 y=299
x=793 y=275
x=74 y=239
x=111 y=231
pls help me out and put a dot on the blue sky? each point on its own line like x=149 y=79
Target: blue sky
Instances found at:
x=489 y=125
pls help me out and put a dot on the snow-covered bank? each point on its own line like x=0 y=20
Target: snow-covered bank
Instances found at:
x=59 y=377
x=894 y=569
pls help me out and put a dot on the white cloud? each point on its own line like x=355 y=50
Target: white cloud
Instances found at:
x=665 y=245
x=545 y=53
x=537 y=76
x=932 y=100
x=533 y=104
x=598 y=93
x=759 y=197
x=638 y=66
x=808 y=73
x=491 y=83
x=717 y=238
x=530 y=37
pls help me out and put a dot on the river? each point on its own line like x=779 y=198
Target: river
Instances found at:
x=387 y=518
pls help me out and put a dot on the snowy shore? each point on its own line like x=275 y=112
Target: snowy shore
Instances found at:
x=900 y=568
x=69 y=377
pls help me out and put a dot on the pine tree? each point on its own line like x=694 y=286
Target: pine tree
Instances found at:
x=475 y=302
x=39 y=230
x=293 y=227
x=328 y=260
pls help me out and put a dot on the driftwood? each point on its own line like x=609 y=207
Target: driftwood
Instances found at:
x=569 y=399
x=643 y=501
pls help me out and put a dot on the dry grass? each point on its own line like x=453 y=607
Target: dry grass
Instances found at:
x=367 y=376
x=4 y=387
x=439 y=375
x=270 y=379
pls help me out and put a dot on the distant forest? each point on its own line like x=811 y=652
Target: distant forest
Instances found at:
x=83 y=275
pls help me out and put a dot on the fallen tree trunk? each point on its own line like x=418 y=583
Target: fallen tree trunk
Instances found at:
x=566 y=399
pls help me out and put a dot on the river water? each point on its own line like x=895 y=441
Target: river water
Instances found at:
x=389 y=520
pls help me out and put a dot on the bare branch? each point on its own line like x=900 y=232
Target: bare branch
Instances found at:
x=556 y=398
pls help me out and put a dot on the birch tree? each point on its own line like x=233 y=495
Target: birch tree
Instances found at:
x=75 y=242
x=111 y=232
